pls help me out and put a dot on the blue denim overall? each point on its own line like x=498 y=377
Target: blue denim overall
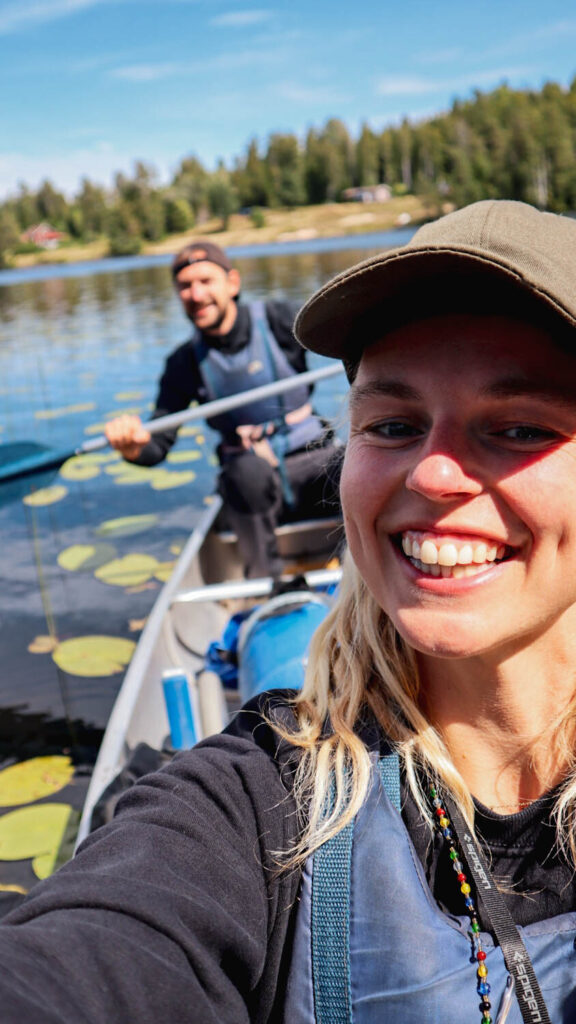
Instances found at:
x=372 y=946
x=260 y=362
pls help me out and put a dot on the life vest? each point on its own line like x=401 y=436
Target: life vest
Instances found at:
x=260 y=362
x=372 y=946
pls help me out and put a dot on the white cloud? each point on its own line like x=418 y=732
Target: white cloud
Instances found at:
x=22 y=15
x=527 y=40
x=240 y=19
x=309 y=94
x=99 y=163
x=440 y=56
x=406 y=85
x=147 y=72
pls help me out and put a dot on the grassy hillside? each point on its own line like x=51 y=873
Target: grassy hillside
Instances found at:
x=326 y=220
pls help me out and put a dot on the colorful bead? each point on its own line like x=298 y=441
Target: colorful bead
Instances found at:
x=443 y=823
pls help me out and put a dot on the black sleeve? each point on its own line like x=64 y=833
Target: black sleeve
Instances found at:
x=179 y=386
x=281 y=316
x=174 y=912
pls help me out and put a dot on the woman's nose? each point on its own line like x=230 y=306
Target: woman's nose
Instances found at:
x=443 y=476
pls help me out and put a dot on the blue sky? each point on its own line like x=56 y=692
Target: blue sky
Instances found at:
x=88 y=86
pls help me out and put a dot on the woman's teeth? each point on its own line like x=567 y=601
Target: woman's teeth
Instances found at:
x=450 y=558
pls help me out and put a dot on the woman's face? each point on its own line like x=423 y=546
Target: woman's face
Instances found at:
x=459 y=483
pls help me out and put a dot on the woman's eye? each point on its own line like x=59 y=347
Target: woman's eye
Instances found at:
x=528 y=433
x=394 y=430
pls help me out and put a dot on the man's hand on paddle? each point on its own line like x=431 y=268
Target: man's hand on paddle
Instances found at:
x=128 y=435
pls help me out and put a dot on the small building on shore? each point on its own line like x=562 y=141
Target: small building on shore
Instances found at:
x=44 y=236
x=368 y=194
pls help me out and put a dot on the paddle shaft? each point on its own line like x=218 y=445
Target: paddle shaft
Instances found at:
x=48 y=460
x=221 y=405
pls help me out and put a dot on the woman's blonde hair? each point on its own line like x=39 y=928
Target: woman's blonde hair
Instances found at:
x=359 y=668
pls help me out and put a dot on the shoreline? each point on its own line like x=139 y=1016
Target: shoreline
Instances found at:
x=330 y=220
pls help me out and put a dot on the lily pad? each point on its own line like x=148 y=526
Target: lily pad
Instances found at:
x=134 y=410
x=77 y=469
x=127 y=468
x=163 y=480
x=43 y=644
x=68 y=410
x=34 y=779
x=126 y=526
x=164 y=571
x=94 y=655
x=128 y=571
x=84 y=467
x=35 y=832
x=46 y=496
x=95 y=428
x=86 y=557
x=186 y=455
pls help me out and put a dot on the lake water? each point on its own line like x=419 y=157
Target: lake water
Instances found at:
x=77 y=345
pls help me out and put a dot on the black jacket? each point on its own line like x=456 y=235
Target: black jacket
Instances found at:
x=176 y=911
x=181 y=382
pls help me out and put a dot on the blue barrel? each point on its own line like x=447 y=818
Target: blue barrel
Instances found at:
x=179 y=708
x=274 y=642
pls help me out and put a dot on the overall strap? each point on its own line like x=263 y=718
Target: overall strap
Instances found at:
x=331 y=912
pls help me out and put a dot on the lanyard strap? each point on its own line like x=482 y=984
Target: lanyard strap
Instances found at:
x=516 y=956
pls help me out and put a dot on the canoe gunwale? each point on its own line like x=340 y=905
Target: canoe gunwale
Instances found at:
x=113 y=748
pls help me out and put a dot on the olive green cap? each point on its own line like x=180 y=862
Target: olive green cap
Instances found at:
x=493 y=244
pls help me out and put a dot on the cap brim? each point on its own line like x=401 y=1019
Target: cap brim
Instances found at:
x=361 y=304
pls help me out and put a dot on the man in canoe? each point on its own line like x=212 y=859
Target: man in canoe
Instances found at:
x=274 y=454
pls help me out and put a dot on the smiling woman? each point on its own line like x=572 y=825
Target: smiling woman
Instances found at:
x=396 y=841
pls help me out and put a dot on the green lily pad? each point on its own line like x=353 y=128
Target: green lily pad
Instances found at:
x=163 y=480
x=128 y=571
x=186 y=455
x=86 y=557
x=46 y=496
x=34 y=779
x=94 y=655
x=38 y=832
x=126 y=526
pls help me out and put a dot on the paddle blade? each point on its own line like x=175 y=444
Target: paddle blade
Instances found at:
x=25 y=458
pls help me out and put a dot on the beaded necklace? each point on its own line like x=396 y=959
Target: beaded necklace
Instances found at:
x=516 y=956
x=443 y=825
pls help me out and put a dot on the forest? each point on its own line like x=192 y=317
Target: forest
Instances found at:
x=508 y=144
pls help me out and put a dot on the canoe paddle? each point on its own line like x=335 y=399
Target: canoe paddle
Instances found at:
x=25 y=458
